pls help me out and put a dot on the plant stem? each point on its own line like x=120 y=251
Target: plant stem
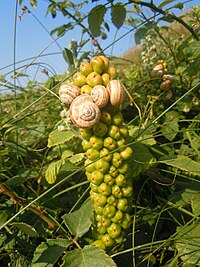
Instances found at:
x=4 y=190
x=171 y=16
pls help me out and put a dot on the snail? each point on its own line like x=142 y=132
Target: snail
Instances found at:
x=84 y=113
x=157 y=71
x=166 y=84
x=168 y=77
x=116 y=92
x=68 y=92
x=100 y=95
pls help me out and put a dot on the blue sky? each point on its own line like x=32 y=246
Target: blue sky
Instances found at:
x=31 y=38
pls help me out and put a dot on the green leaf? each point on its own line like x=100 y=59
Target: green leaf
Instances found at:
x=118 y=15
x=59 y=137
x=68 y=167
x=61 y=30
x=179 y=6
x=68 y=57
x=141 y=32
x=164 y=3
x=77 y=158
x=19 y=179
x=188 y=242
x=170 y=126
x=183 y=163
x=88 y=256
x=195 y=200
x=167 y=18
x=27 y=229
x=79 y=222
x=48 y=253
x=3 y=216
x=95 y=19
x=53 y=170
x=141 y=158
x=67 y=154
x=50 y=83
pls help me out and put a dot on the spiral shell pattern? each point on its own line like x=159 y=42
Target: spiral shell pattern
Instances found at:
x=68 y=92
x=100 y=95
x=116 y=92
x=158 y=71
x=84 y=113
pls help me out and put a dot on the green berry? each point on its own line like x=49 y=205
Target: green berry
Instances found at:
x=92 y=153
x=100 y=129
x=96 y=177
x=102 y=165
x=104 y=189
x=96 y=142
x=109 y=211
x=114 y=230
x=107 y=240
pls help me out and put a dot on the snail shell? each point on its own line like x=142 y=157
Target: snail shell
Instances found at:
x=165 y=85
x=84 y=113
x=100 y=95
x=157 y=71
x=68 y=92
x=116 y=92
x=168 y=77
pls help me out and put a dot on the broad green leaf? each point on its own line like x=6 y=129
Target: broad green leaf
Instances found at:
x=68 y=167
x=27 y=229
x=77 y=158
x=187 y=243
x=95 y=19
x=53 y=170
x=170 y=130
x=89 y=256
x=142 y=31
x=59 y=137
x=47 y=253
x=183 y=163
x=195 y=200
x=67 y=154
x=19 y=179
x=170 y=126
x=118 y=15
x=164 y=3
x=141 y=158
x=79 y=222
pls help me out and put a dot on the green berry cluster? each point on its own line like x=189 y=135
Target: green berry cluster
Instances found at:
x=96 y=72
x=104 y=134
x=108 y=172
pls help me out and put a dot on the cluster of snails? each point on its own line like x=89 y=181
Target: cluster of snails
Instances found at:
x=101 y=124
x=160 y=71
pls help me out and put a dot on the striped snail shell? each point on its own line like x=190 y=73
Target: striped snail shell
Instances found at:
x=157 y=71
x=166 y=84
x=68 y=92
x=100 y=95
x=116 y=92
x=84 y=113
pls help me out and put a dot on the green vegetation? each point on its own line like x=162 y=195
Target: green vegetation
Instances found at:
x=47 y=217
